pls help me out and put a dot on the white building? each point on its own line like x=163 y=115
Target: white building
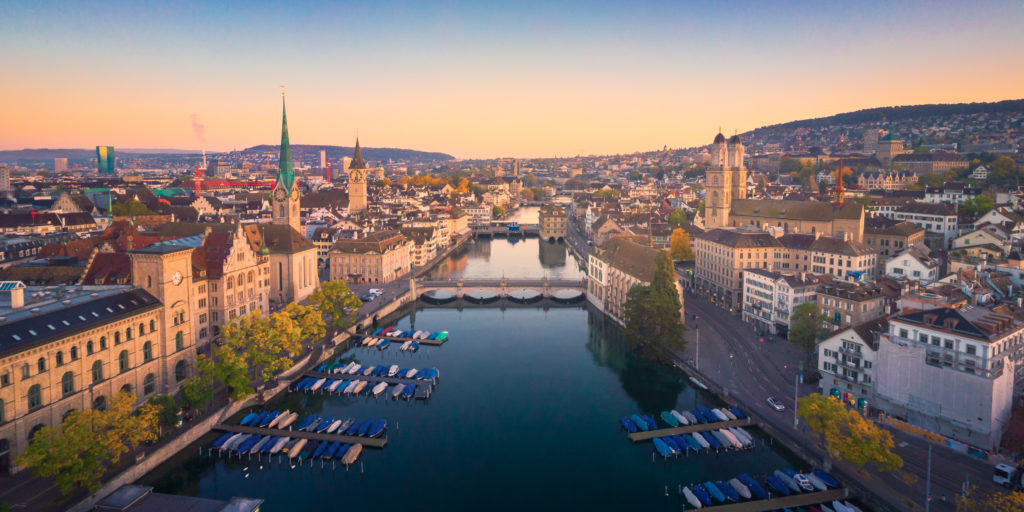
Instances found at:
x=769 y=298
x=937 y=218
x=914 y=263
x=846 y=360
x=950 y=193
x=950 y=371
x=979 y=173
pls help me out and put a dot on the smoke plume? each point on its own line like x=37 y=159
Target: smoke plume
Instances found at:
x=200 y=132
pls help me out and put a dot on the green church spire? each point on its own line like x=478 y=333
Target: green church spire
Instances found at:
x=286 y=172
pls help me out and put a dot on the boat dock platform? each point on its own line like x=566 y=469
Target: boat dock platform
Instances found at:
x=436 y=343
x=371 y=442
x=688 y=429
x=796 y=500
x=424 y=388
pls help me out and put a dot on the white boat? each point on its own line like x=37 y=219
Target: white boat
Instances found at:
x=818 y=483
x=740 y=488
x=279 y=444
x=397 y=391
x=411 y=373
x=359 y=387
x=234 y=441
x=852 y=507
x=345 y=425
x=352 y=454
x=353 y=369
x=277 y=419
x=379 y=388
x=698 y=383
x=227 y=444
x=701 y=441
x=732 y=439
x=288 y=420
x=259 y=444
x=296 y=448
x=350 y=387
x=334 y=426
x=728 y=413
x=316 y=385
x=334 y=385
x=720 y=415
x=405 y=346
x=393 y=370
x=836 y=504
x=692 y=498
x=679 y=417
x=742 y=437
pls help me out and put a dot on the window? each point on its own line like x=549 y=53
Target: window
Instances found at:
x=147 y=351
x=202 y=332
x=88 y=348
x=149 y=281
x=97 y=371
x=122 y=361
x=949 y=344
x=142 y=329
x=179 y=371
x=3 y=446
x=5 y=378
x=117 y=338
x=100 y=403
x=59 y=358
x=127 y=388
x=41 y=364
x=179 y=341
x=35 y=397
x=971 y=350
x=25 y=371
x=903 y=333
x=128 y=334
x=67 y=384
x=103 y=342
x=74 y=353
x=149 y=384
x=152 y=326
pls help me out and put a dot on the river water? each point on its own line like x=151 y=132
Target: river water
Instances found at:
x=524 y=416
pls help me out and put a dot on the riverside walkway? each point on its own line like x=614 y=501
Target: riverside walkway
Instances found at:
x=373 y=442
x=688 y=429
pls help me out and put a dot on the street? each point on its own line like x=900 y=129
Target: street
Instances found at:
x=732 y=356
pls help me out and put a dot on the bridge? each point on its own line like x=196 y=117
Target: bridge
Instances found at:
x=506 y=228
x=485 y=291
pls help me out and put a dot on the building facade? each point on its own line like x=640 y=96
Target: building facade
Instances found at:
x=553 y=223
x=378 y=258
x=616 y=267
x=105 y=160
x=846 y=360
x=770 y=298
x=847 y=304
x=725 y=180
x=357 y=181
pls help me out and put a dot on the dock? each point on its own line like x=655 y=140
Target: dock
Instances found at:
x=436 y=343
x=371 y=442
x=796 y=500
x=688 y=429
x=424 y=388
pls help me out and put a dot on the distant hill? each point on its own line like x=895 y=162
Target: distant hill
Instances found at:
x=305 y=151
x=880 y=114
x=34 y=155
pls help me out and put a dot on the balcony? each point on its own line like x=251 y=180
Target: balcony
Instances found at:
x=848 y=351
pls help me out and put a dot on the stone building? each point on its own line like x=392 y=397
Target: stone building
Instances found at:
x=770 y=298
x=726 y=180
x=721 y=255
x=846 y=304
x=553 y=223
x=614 y=268
x=889 y=237
x=892 y=180
x=357 y=182
x=923 y=163
x=378 y=258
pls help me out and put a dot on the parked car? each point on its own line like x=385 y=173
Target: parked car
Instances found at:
x=777 y=405
x=367 y=298
x=376 y=291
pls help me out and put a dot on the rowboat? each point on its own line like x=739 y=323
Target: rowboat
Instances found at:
x=334 y=385
x=679 y=417
x=320 y=448
x=701 y=440
x=405 y=346
x=296 y=448
x=411 y=373
x=741 y=436
x=393 y=370
x=260 y=444
x=351 y=385
x=651 y=424
x=277 y=419
x=265 y=419
x=288 y=420
x=740 y=489
x=279 y=445
x=825 y=477
x=355 y=368
x=719 y=415
x=691 y=498
x=690 y=417
x=778 y=485
x=669 y=418
x=662 y=447
x=359 y=387
x=352 y=429
x=414 y=347
x=352 y=454
x=397 y=391
x=722 y=440
x=221 y=440
x=325 y=424
x=244 y=447
x=732 y=439
x=672 y=444
x=383 y=344
x=818 y=483
x=379 y=388
x=331 y=449
x=694 y=445
x=639 y=422
x=248 y=418
x=316 y=385
x=710 y=438
x=714 y=492
x=754 y=487
x=727 y=490
x=728 y=413
x=367 y=371
x=345 y=425
x=238 y=441
x=364 y=428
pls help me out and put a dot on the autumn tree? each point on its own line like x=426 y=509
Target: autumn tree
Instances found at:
x=166 y=410
x=198 y=390
x=846 y=435
x=999 y=501
x=497 y=211
x=608 y=192
x=680 y=244
x=337 y=303
x=310 y=322
x=527 y=194
x=255 y=348
x=805 y=326
x=654 y=313
x=88 y=442
x=529 y=180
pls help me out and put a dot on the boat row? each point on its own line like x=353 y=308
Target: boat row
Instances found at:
x=411 y=334
x=724 y=438
x=745 y=487
x=394 y=370
x=298 y=448
x=355 y=387
x=347 y=427
x=382 y=343
x=674 y=418
x=269 y=419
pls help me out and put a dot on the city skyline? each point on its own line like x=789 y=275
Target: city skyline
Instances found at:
x=523 y=80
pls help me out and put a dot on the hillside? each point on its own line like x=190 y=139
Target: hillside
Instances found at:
x=312 y=151
x=890 y=114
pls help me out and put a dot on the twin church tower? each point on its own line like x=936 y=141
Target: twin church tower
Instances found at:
x=726 y=180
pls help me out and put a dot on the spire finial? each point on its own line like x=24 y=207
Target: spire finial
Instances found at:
x=719 y=128
x=282 y=90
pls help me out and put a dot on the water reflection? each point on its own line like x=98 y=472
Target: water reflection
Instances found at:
x=519 y=258
x=552 y=255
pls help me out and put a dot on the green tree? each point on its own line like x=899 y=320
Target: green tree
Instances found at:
x=654 y=313
x=198 y=391
x=978 y=206
x=131 y=208
x=846 y=435
x=805 y=326
x=539 y=194
x=680 y=245
x=166 y=410
x=87 y=442
x=1002 y=167
x=336 y=302
x=789 y=166
x=230 y=369
x=255 y=348
x=609 y=192
x=931 y=179
x=677 y=218
x=497 y=212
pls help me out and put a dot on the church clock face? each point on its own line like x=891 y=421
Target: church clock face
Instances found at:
x=279 y=194
x=357 y=176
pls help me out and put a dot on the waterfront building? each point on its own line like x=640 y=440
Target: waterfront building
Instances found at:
x=770 y=298
x=721 y=255
x=930 y=362
x=553 y=223
x=357 y=201
x=846 y=304
x=425 y=243
x=478 y=214
x=614 y=268
x=105 y=160
x=378 y=258
x=846 y=360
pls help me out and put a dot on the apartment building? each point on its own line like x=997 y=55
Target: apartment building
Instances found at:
x=723 y=254
x=846 y=361
x=770 y=298
x=613 y=269
x=378 y=258
x=847 y=304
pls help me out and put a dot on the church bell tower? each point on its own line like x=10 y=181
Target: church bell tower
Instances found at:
x=285 y=195
x=357 y=182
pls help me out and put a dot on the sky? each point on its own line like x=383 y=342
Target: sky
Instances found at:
x=482 y=79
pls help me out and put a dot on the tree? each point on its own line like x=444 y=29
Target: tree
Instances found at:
x=608 y=192
x=166 y=410
x=230 y=369
x=677 y=218
x=846 y=435
x=87 y=442
x=527 y=194
x=337 y=302
x=310 y=322
x=1002 y=167
x=805 y=326
x=131 y=208
x=997 y=502
x=653 y=312
x=932 y=179
x=529 y=180
x=497 y=211
x=680 y=243
x=198 y=391
x=539 y=194
x=978 y=206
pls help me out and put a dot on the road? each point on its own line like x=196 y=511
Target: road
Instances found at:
x=732 y=355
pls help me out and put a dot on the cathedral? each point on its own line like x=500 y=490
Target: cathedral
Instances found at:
x=726 y=180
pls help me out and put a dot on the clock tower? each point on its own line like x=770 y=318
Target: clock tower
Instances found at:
x=357 y=182
x=285 y=196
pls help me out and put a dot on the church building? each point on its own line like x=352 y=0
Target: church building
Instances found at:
x=357 y=182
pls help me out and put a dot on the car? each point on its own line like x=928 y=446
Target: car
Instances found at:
x=367 y=298
x=376 y=291
x=777 y=405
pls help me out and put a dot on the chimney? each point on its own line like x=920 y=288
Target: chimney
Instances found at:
x=17 y=293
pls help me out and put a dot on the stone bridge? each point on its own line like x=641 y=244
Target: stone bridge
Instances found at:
x=502 y=229
x=483 y=291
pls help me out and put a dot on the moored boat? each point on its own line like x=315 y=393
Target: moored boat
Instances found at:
x=248 y=418
x=334 y=426
x=690 y=417
x=288 y=420
x=352 y=429
x=667 y=417
x=405 y=346
x=221 y=440
x=364 y=428
x=379 y=388
x=393 y=370
x=728 y=413
x=410 y=373
x=627 y=424
x=679 y=417
x=722 y=440
x=740 y=489
x=701 y=440
x=778 y=485
x=377 y=428
x=662 y=447
x=825 y=477
x=754 y=487
x=397 y=391
x=719 y=415
x=409 y=390
x=691 y=498
x=818 y=483
x=694 y=445
x=732 y=439
x=256 y=448
x=279 y=445
x=296 y=449
x=653 y=425
x=714 y=491
x=352 y=454
x=702 y=494
x=359 y=387
x=788 y=480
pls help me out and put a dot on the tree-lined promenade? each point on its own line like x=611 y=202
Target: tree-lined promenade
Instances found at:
x=252 y=350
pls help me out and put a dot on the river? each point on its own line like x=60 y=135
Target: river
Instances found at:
x=524 y=416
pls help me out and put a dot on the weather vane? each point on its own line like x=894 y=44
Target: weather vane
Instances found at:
x=282 y=91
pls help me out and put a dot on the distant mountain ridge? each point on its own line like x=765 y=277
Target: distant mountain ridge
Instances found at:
x=305 y=151
x=878 y=114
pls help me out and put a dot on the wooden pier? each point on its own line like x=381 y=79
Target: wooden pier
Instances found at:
x=424 y=388
x=371 y=442
x=688 y=429
x=424 y=341
x=796 y=500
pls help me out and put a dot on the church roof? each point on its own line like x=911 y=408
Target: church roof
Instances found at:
x=357 y=158
x=286 y=172
x=797 y=210
x=735 y=139
x=719 y=139
x=378 y=242
x=630 y=257
x=282 y=238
